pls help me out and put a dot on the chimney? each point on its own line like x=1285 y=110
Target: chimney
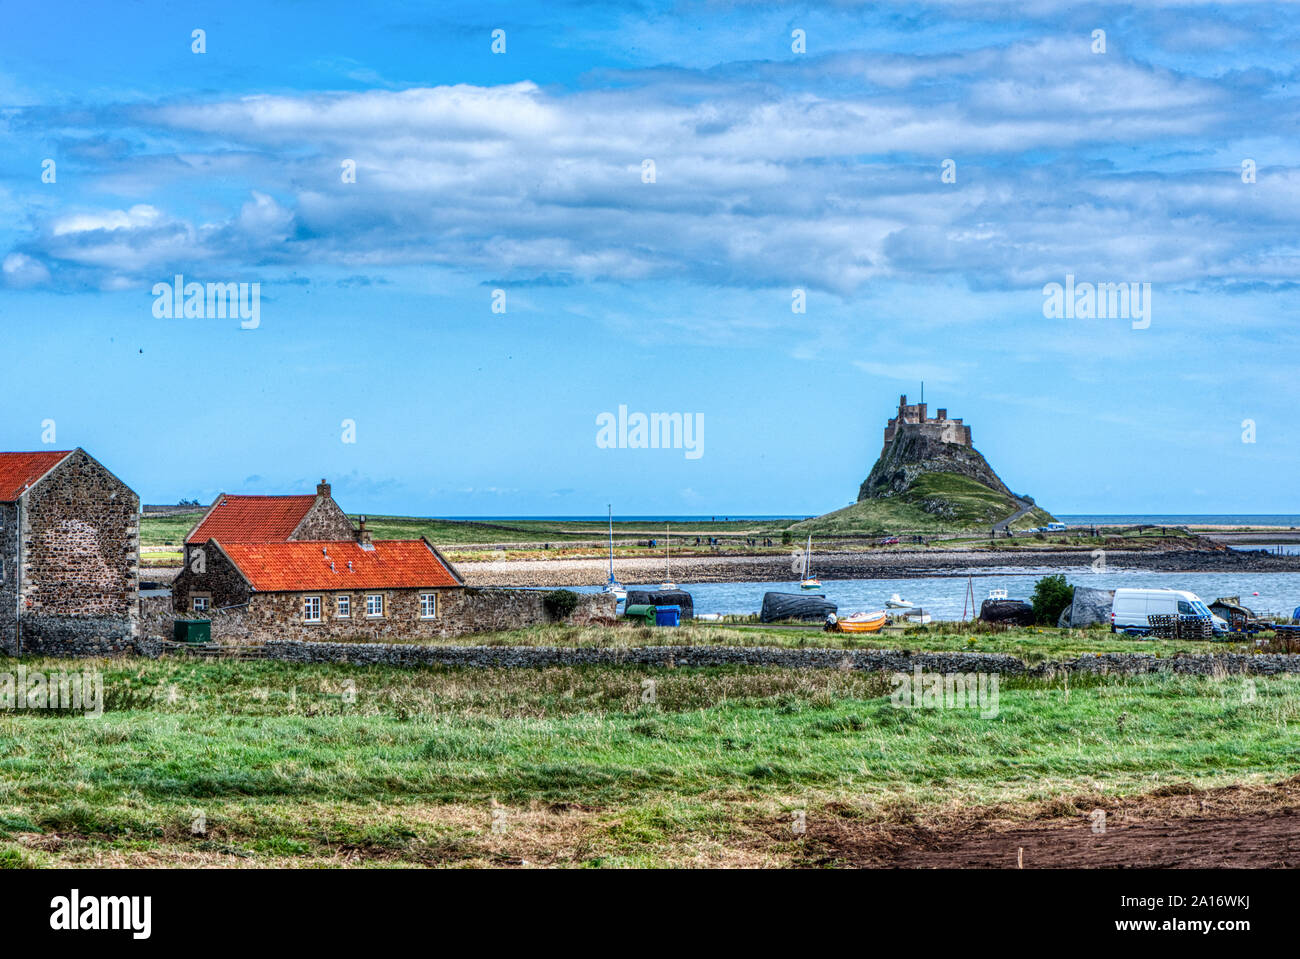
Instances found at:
x=363 y=535
x=323 y=489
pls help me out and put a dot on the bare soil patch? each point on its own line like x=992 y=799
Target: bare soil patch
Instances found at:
x=1179 y=827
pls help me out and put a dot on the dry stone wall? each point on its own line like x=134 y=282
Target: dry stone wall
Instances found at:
x=499 y=657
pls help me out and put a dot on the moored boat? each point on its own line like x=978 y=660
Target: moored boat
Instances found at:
x=613 y=587
x=809 y=581
x=668 y=560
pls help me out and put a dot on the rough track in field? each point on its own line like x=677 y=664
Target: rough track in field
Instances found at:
x=1242 y=827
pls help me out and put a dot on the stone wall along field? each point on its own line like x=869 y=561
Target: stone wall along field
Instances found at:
x=532 y=657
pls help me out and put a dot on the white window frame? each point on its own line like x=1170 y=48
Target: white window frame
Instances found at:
x=343 y=607
x=380 y=614
x=433 y=599
x=205 y=600
x=307 y=602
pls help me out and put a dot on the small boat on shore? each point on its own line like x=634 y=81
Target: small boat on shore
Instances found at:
x=857 y=623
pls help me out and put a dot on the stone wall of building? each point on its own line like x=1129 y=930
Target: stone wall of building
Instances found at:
x=460 y=611
x=79 y=529
x=915 y=418
x=79 y=635
x=157 y=616
x=8 y=578
x=208 y=573
x=325 y=520
x=279 y=616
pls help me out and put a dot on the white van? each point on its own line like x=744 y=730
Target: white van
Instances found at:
x=1131 y=607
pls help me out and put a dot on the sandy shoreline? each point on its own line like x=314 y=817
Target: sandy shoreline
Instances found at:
x=890 y=565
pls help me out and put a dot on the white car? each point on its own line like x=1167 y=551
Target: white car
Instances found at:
x=1131 y=607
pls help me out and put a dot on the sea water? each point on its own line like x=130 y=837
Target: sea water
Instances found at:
x=944 y=597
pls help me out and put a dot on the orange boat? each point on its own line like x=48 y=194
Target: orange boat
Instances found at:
x=857 y=623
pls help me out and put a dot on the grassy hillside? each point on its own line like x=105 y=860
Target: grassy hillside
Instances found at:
x=167 y=530
x=268 y=764
x=967 y=504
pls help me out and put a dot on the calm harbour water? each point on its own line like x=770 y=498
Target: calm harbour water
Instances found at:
x=942 y=596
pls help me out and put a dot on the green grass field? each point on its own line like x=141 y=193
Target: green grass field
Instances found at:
x=1032 y=644
x=198 y=763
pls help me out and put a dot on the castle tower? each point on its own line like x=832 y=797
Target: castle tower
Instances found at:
x=912 y=417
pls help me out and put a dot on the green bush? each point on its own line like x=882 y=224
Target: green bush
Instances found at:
x=560 y=603
x=1051 y=595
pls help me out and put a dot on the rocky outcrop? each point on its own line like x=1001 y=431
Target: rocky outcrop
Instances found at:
x=913 y=454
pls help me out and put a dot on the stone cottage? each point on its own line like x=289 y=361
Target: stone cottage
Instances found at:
x=324 y=590
x=270 y=519
x=69 y=556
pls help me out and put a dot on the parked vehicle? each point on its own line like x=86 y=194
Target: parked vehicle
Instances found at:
x=889 y=541
x=1055 y=527
x=1131 y=607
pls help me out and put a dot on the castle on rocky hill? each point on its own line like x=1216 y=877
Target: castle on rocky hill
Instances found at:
x=912 y=418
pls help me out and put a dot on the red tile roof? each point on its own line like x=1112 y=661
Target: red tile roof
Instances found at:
x=293 y=567
x=20 y=470
x=252 y=519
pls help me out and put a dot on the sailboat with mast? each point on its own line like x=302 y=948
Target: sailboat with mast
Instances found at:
x=613 y=587
x=809 y=581
x=668 y=560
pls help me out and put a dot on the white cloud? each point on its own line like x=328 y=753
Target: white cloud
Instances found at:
x=823 y=174
x=21 y=270
x=139 y=216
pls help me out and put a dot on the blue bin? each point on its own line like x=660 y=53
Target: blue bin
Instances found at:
x=668 y=615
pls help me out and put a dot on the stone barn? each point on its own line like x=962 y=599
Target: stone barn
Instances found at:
x=69 y=556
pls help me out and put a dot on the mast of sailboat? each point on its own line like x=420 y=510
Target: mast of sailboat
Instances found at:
x=807 y=558
x=611 y=542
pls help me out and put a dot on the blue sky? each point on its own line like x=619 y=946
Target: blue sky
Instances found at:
x=774 y=171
